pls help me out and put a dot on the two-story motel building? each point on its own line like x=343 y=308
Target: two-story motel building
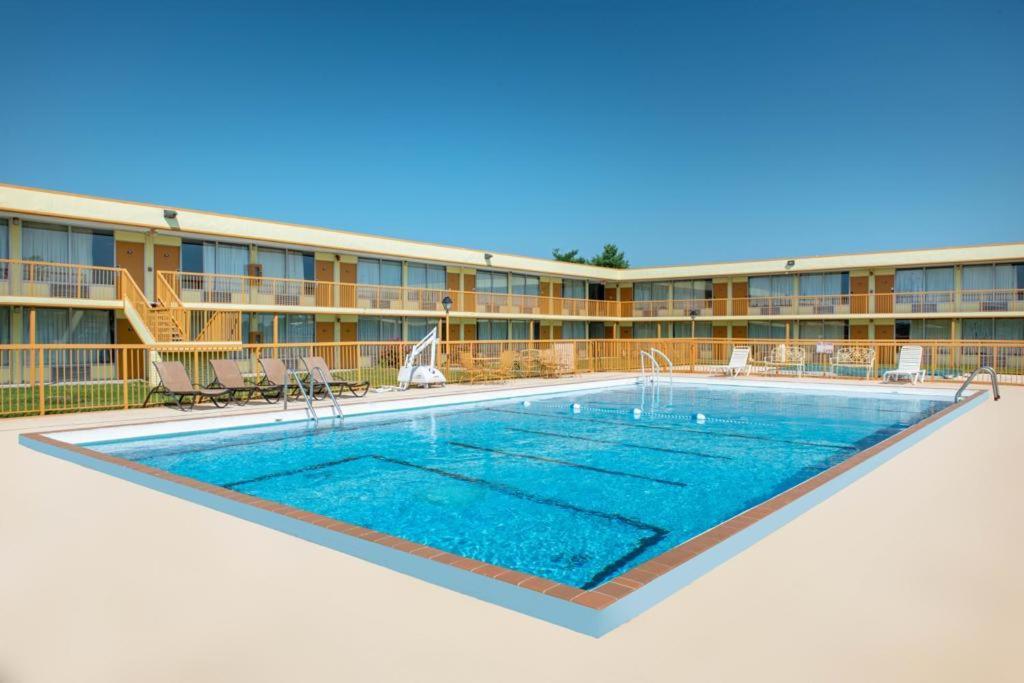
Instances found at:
x=86 y=270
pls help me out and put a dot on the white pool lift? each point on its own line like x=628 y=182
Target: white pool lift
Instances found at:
x=419 y=367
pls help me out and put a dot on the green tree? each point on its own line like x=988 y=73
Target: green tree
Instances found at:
x=571 y=256
x=610 y=257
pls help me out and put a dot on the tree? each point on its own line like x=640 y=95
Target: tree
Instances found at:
x=610 y=257
x=571 y=256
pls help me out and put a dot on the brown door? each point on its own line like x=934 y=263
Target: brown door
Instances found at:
x=469 y=332
x=545 y=298
x=883 y=293
x=347 y=278
x=625 y=332
x=126 y=334
x=886 y=353
x=720 y=350
x=453 y=291
x=348 y=332
x=720 y=292
x=739 y=332
x=858 y=332
x=131 y=256
x=884 y=332
x=609 y=332
x=859 y=294
x=325 y=289
x=626 y=307
x=324 y=333
x=739 y=298
x=167 y=259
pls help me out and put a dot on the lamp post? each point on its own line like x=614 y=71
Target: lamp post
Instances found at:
x=446 y=302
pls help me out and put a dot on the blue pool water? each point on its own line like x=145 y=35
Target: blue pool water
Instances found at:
x=576 y=497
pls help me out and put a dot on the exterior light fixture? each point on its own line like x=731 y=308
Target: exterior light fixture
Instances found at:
x=488 y=257
x=790 y=263
x=170 y=214
x=447 y=303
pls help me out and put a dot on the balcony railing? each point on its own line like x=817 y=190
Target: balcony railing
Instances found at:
x=59 y=280
x=963 y=301
x=211 y=288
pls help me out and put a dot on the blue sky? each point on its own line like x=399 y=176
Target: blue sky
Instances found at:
x=685 y=132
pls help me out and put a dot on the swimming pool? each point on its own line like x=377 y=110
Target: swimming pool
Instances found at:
x=588 y=490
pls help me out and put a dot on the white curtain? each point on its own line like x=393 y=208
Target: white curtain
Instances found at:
x=574 y=289
x=572 y=329
x=273 y=262
x=90 y=327
x=520 y=329
x=298 y=328
x=44 y=244
x=81 y=247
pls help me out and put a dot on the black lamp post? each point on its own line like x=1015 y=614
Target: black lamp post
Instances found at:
x=446 y=302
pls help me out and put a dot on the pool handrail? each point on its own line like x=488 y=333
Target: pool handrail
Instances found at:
x=970 y=378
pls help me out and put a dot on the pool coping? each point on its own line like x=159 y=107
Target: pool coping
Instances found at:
x=593 y=612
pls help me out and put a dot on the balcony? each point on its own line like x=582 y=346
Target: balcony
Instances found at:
x=214 y=290
x=43 y=280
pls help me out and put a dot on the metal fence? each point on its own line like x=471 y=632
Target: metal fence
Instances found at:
x=40 y=379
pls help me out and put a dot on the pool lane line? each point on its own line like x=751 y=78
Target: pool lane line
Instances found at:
x=704 y=432
x=297 y=470
x=624 y=444
x=568 y=463
x=656 y=534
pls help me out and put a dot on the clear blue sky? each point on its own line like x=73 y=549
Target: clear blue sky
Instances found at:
x=685 y=132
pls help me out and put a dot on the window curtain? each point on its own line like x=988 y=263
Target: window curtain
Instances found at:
x=273 y=262
x=645 y=330
x=368 y=329
x=574 y=289
x=574 y=329
x=44 y=244
x=90 y=327
x=418 y=328
x=520 y=329
x=4 y=239
x=492 y=330
x=80 y=247
x=766 y=330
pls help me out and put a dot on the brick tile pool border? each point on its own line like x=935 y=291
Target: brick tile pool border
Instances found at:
x=597 y=599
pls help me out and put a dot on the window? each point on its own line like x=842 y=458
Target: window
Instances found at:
x=993 y=287
x=192 y=257
x=651 y=291
x=63 y=244
x=692 y=290
x=492 y=282
x=418 y=328
x=524 y=285
x=4 y=239
x=379 y=329
x=492 y=330
x=422 y=276
x=645 y=330
x=519 y=329
x=574 y=289
x=258 y=328
x=770 y=286
x=824 y=284
x=1000 y=329
x=225 y=259
x=700 y=329
x=823 y=329
x=937 y=283
x=923 y=329
x=379 y=272
x=71 y=326
x=574 y=329
x=285 y=263
x=766 y=330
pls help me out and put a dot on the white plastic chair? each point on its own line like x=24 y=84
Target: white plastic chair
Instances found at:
x=738 y=362
x=909 y=366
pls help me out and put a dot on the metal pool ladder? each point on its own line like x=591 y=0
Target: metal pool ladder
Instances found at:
x=671 y=368
x=655 y=369
x=307 y=396
x=983 y=368
x=335 y=408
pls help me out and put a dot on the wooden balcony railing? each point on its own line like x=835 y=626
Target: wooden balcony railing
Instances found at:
x=59 y=280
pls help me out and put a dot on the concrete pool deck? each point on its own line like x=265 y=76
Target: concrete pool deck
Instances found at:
x=909 y=573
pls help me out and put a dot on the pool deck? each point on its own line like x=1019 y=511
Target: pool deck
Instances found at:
x=910 y=573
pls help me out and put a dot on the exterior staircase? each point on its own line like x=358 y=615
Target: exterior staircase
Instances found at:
x=170 y=322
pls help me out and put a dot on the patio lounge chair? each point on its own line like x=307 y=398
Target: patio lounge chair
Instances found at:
x=229 y=377
x=738 y=362
x=317 y=369
x=177 y=385
x=275 y=377
x=909 y=366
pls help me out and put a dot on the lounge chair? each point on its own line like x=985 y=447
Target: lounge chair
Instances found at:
x=738 y=362
x=316 y=368
x=909 y=366
x=229 y=377
x=275 y=377
x=177 y=385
